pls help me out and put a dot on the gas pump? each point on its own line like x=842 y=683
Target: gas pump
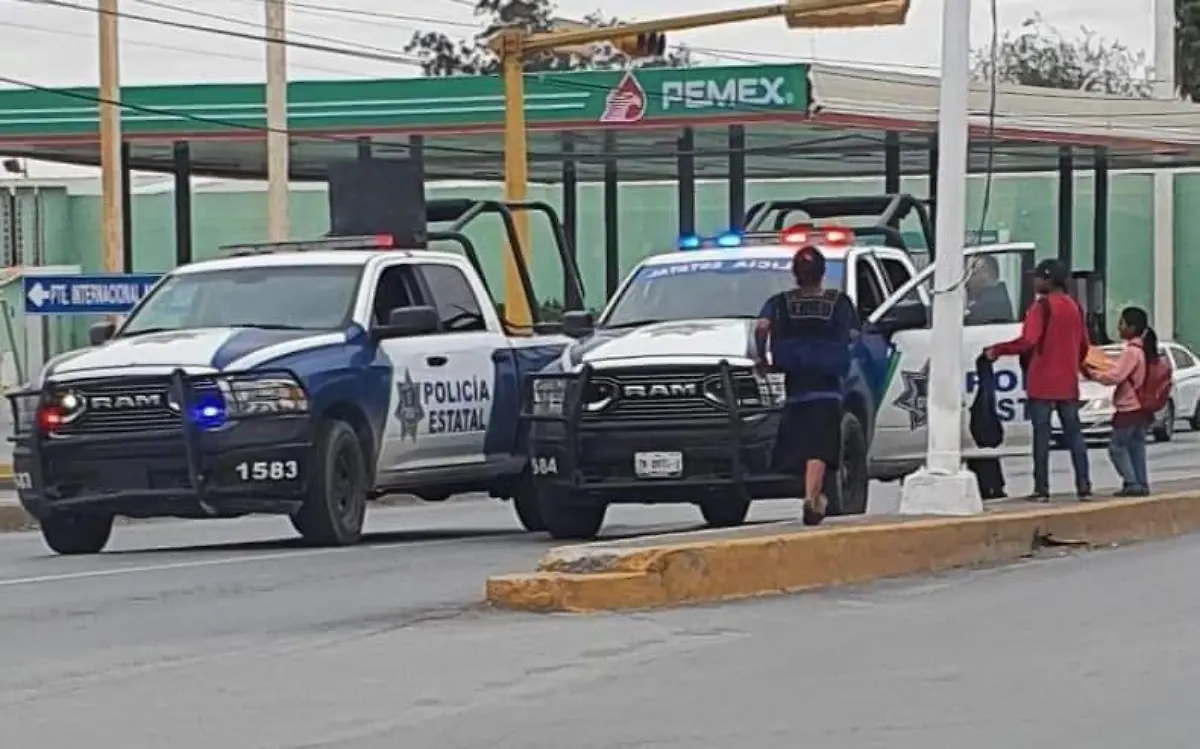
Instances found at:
x=1087 y=286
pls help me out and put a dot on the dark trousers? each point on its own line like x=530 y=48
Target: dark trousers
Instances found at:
x=1068 y=418
x=988 y=475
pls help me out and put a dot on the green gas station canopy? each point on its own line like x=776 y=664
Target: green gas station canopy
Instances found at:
x=800 y=121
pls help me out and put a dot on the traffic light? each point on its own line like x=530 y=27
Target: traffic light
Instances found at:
x=868 y=13
x=652 y=44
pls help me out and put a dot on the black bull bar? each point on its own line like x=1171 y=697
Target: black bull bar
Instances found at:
x=574 y=426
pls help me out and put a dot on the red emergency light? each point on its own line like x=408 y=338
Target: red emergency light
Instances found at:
x=829 y=236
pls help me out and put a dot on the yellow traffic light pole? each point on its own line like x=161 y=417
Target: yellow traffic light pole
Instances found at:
x=512 y=45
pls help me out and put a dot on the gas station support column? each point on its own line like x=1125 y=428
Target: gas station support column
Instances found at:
x=1099 y=302
x=933 y=181
x=183 y=202
x=126 y=208
x=1066 y=205
x=363 y=148
x=570 y=212
x=685 y=161
x=737 y=176
x=891 y=163
x=612 y=208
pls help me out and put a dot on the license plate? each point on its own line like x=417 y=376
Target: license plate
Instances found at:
x=658 y=465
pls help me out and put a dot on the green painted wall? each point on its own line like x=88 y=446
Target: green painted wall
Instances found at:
x=1026 y=207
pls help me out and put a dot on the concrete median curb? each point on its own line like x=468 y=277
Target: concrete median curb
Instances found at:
x=785 y=557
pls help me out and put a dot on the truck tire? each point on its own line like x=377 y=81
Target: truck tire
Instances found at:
x=846 y=488
x=527 y=504
x=335 y=507
x=725 y=512
x=76 y=534
x=571 y=521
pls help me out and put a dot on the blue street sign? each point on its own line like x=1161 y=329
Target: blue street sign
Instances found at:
x=101 y=294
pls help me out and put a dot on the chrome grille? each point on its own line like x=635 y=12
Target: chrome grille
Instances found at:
x=126 y=420
x=666 y=393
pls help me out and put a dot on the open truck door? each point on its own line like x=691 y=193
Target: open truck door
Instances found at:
x=993 y=315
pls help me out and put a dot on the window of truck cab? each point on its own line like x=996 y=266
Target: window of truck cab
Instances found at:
x=706 y=289
x=300 y=297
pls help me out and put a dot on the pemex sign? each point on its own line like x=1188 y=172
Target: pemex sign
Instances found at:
x=661 y=93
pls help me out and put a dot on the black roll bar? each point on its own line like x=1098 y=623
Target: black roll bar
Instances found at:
x=888 y=209
x=459 y=212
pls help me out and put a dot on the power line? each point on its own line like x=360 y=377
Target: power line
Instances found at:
x=371 y=17
x=254 y=24
x=360 y=54
x=165 y=47
x=201 y=119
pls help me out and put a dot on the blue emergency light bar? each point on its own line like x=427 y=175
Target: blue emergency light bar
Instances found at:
x=695 y=242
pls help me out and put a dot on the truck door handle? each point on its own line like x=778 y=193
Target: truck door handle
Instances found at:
x=436 y=361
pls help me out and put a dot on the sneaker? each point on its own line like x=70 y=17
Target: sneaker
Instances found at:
x=1084 y=494
x=1038 y=497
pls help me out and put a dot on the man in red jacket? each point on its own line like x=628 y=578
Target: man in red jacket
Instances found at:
x=1052 y=346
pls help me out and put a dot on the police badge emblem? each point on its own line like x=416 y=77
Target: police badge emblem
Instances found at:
x=409 y=410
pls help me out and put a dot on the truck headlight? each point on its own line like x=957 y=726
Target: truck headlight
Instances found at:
x=257 y=396
x=1098 y=404
x=549 y=396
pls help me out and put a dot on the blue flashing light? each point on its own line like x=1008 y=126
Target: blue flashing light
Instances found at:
x=690 y=242
x=209 y=412
x=729 y=239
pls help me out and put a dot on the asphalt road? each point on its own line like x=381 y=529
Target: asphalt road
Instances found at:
x=194 y=634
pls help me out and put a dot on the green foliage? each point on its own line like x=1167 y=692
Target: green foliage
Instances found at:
x=1040 y=55
x=441 y=55
x=1187 y=48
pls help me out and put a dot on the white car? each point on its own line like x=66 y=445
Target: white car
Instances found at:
x=1096 y=409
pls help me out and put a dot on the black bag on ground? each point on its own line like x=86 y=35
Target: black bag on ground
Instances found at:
x=986 y=428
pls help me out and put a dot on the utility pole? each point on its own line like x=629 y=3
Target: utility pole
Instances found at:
x=112 y=210
x=513 y=43
x=277 y=122
x=1164 y=179
x=944 y=486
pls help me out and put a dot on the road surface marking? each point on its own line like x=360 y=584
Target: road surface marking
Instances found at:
x=13 y=582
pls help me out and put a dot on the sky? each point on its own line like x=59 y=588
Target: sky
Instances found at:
x=55 y=46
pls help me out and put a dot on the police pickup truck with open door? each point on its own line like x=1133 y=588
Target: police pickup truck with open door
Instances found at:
x=292 y=378
x=658 y=399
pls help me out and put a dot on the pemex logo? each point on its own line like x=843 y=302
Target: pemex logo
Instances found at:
x=626 y=103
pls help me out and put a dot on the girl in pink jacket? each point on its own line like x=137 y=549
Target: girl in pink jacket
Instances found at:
x=1127 y=446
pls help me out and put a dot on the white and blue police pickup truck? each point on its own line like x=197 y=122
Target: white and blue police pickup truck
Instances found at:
x=295 y=378
x=658 y=400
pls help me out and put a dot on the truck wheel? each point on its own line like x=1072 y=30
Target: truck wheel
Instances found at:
x=527 y=504
x=76 y=534
x=571 y=521
x=336 y=505
x=846 y=488
x=725 y=512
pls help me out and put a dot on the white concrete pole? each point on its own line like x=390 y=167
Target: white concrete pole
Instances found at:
x=277 y=137
x=943 y=486
x=1164 y=180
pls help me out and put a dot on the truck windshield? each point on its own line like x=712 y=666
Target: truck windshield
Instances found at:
x=710 y=289
x=316 y=297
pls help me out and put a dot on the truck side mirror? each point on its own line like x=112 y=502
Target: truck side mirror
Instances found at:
x=101 y=332
x=578 y=323
x=406 y=322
